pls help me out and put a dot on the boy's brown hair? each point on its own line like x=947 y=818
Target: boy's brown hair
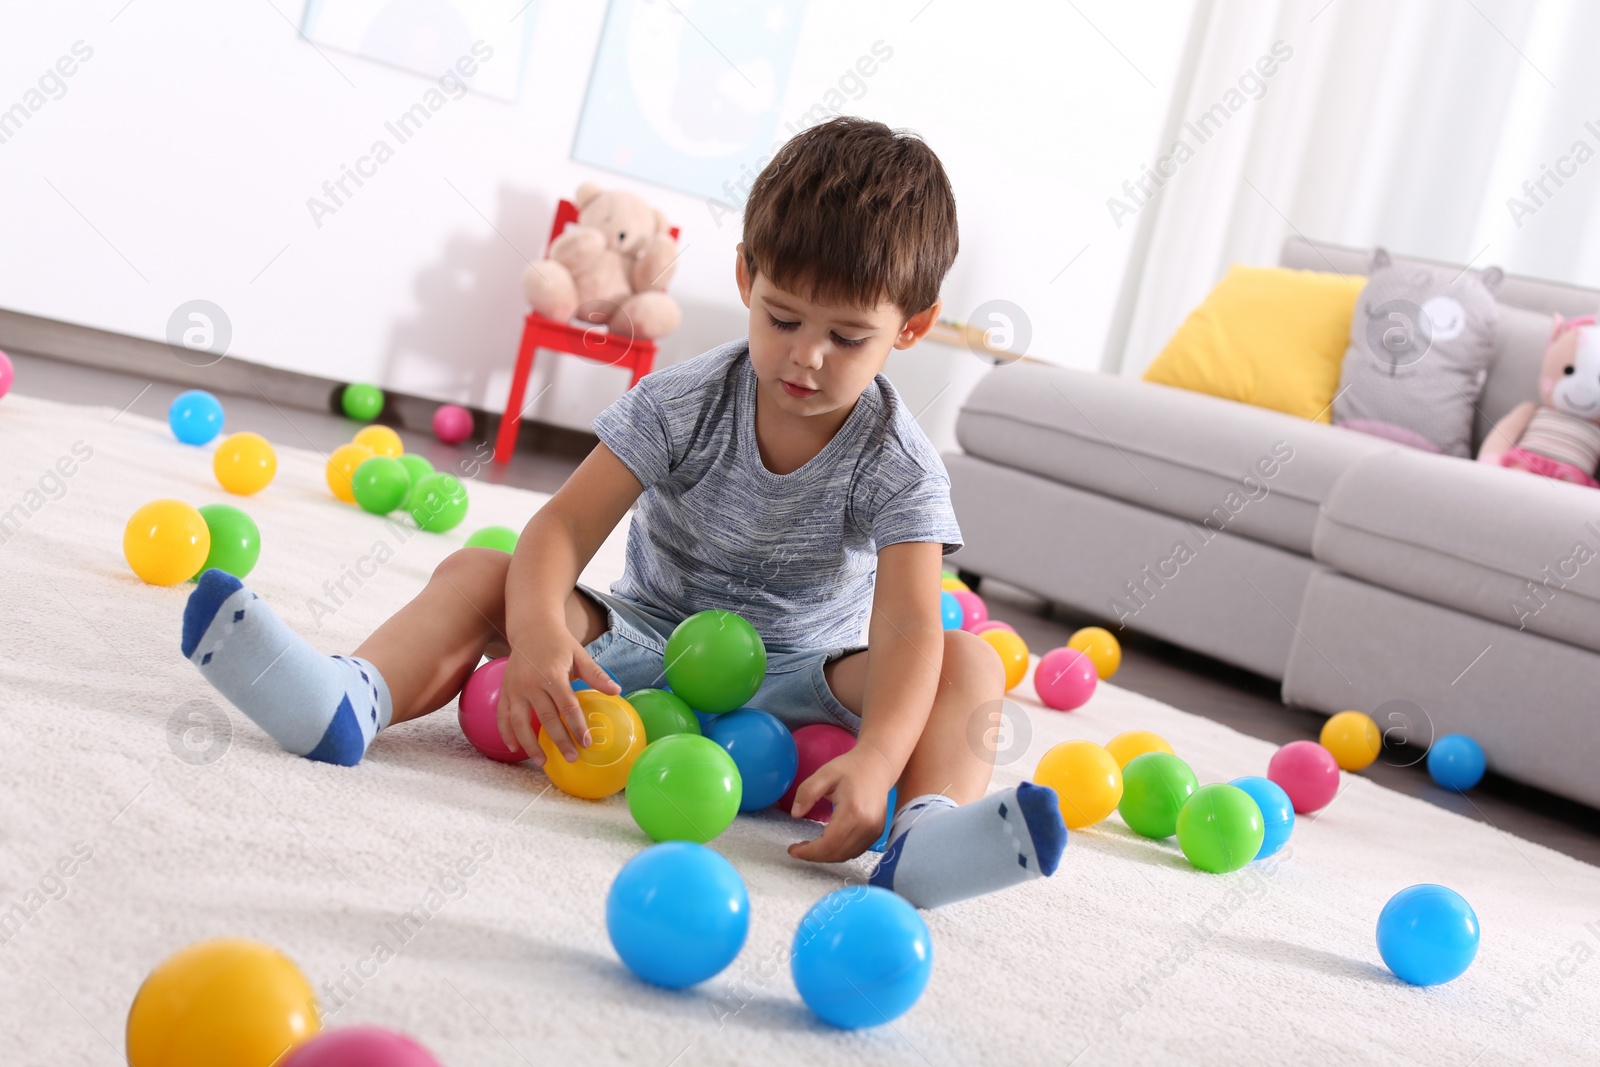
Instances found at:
x=853 y=213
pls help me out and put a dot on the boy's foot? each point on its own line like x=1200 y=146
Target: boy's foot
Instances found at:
x=325 y=708
x=939 y=853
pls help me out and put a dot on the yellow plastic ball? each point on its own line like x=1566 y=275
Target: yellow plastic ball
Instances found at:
x=342 y=467
x=166 y=542
x=1101 y=647
x=226 y=1001
x=382 y=440
x=1125 y=746
x=1087 y=781
x=953 y=585
x=1013 y=652
x=1353 y=738
x=244 y=463
x=617 y=737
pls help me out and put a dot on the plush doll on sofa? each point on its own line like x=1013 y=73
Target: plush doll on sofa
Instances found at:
x=1560 y=436
x=612 y=266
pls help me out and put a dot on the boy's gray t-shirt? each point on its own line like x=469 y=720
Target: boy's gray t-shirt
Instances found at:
x=796 y=553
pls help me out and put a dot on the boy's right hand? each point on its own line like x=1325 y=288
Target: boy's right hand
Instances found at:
x=538 y=685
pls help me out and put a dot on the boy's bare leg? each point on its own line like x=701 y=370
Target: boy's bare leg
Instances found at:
x=954 y=756
x=426 y=650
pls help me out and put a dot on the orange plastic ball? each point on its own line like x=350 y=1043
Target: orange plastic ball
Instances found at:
x=1353 y=738
x=1101 y=647
x=1127 y=746
x=166 y=542
x=1087 y=781
x=1013 y=651
x=617 y=737
x=244 y=463
x=382 y=440
x=224 y=1001
x=342 y=467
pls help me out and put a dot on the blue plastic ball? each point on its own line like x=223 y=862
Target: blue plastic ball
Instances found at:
x=677 y=914
x=579 y=683
x=888 y=820
x=951 y=613
x=1427 y=934
x=195 y=417
x=764 y=751
x=1456 y=762
x=1277 y=812
x=861 y=957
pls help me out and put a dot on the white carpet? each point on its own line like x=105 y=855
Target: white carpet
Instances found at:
x=1128 y=955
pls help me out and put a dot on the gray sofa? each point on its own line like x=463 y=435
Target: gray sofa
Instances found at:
x=1438 y=594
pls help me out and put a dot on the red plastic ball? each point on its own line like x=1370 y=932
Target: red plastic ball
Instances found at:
x=452 y=423
x=480 y=705
x=817 y=744
x=1065 y=679
x=360 y=1046
x=974 y=611
x=1308 y=773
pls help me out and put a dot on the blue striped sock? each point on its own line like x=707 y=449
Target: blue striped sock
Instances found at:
x=939 y=853
x=326 y=708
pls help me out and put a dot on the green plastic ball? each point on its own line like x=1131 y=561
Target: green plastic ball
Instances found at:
x=381 y=484
x=1154 y=789
x=502 y=537
x=1220 y=828
x=715 y=661
x=362 y=401
x=235 y=540
x=419 y=469
x=439 y=503
x=663 y=713
x=684 y=787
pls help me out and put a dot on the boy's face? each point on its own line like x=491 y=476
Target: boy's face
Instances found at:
x=814 y=359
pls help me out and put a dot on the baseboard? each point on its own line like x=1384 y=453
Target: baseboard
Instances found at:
x=90 y=347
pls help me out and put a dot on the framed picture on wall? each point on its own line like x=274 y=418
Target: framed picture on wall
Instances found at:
x=432 y=37
x=685 y=93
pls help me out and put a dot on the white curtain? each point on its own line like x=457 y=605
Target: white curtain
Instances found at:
x=1407 y=124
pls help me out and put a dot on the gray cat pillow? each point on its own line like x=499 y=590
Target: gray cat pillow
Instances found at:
x=1420 y=344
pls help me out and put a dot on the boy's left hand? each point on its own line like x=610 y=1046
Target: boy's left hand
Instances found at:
x=858 y=784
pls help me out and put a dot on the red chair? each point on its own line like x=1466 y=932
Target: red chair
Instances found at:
x=637 y=354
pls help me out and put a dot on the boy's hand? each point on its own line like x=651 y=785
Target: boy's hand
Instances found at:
x=858 y=784
x=537 y=683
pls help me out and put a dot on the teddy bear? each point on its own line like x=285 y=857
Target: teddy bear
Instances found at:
x=610 y=267
x=1559 y=437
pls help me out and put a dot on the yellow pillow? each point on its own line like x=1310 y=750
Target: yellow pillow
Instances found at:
x=1267 y=336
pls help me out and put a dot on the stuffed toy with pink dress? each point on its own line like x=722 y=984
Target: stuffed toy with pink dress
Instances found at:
x=1560 y=436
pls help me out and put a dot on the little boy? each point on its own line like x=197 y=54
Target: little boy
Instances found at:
x=780 y=477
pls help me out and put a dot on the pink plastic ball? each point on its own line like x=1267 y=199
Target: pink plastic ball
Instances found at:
x=452 y=423
x=817 y=744
x=973 y=610
x=993 y=624
x=480 y=704
x=360 y=1046
x=1308 y=773
x=7 y=374
x=1065 y=679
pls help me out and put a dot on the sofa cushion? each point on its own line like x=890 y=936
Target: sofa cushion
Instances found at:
x=1505 y=545
x=1266 y=336
x=1217 y=463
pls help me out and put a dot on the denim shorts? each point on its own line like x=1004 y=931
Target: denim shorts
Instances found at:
x=795 y=691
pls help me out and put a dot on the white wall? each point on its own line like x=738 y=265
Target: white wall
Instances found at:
x=178 y=162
